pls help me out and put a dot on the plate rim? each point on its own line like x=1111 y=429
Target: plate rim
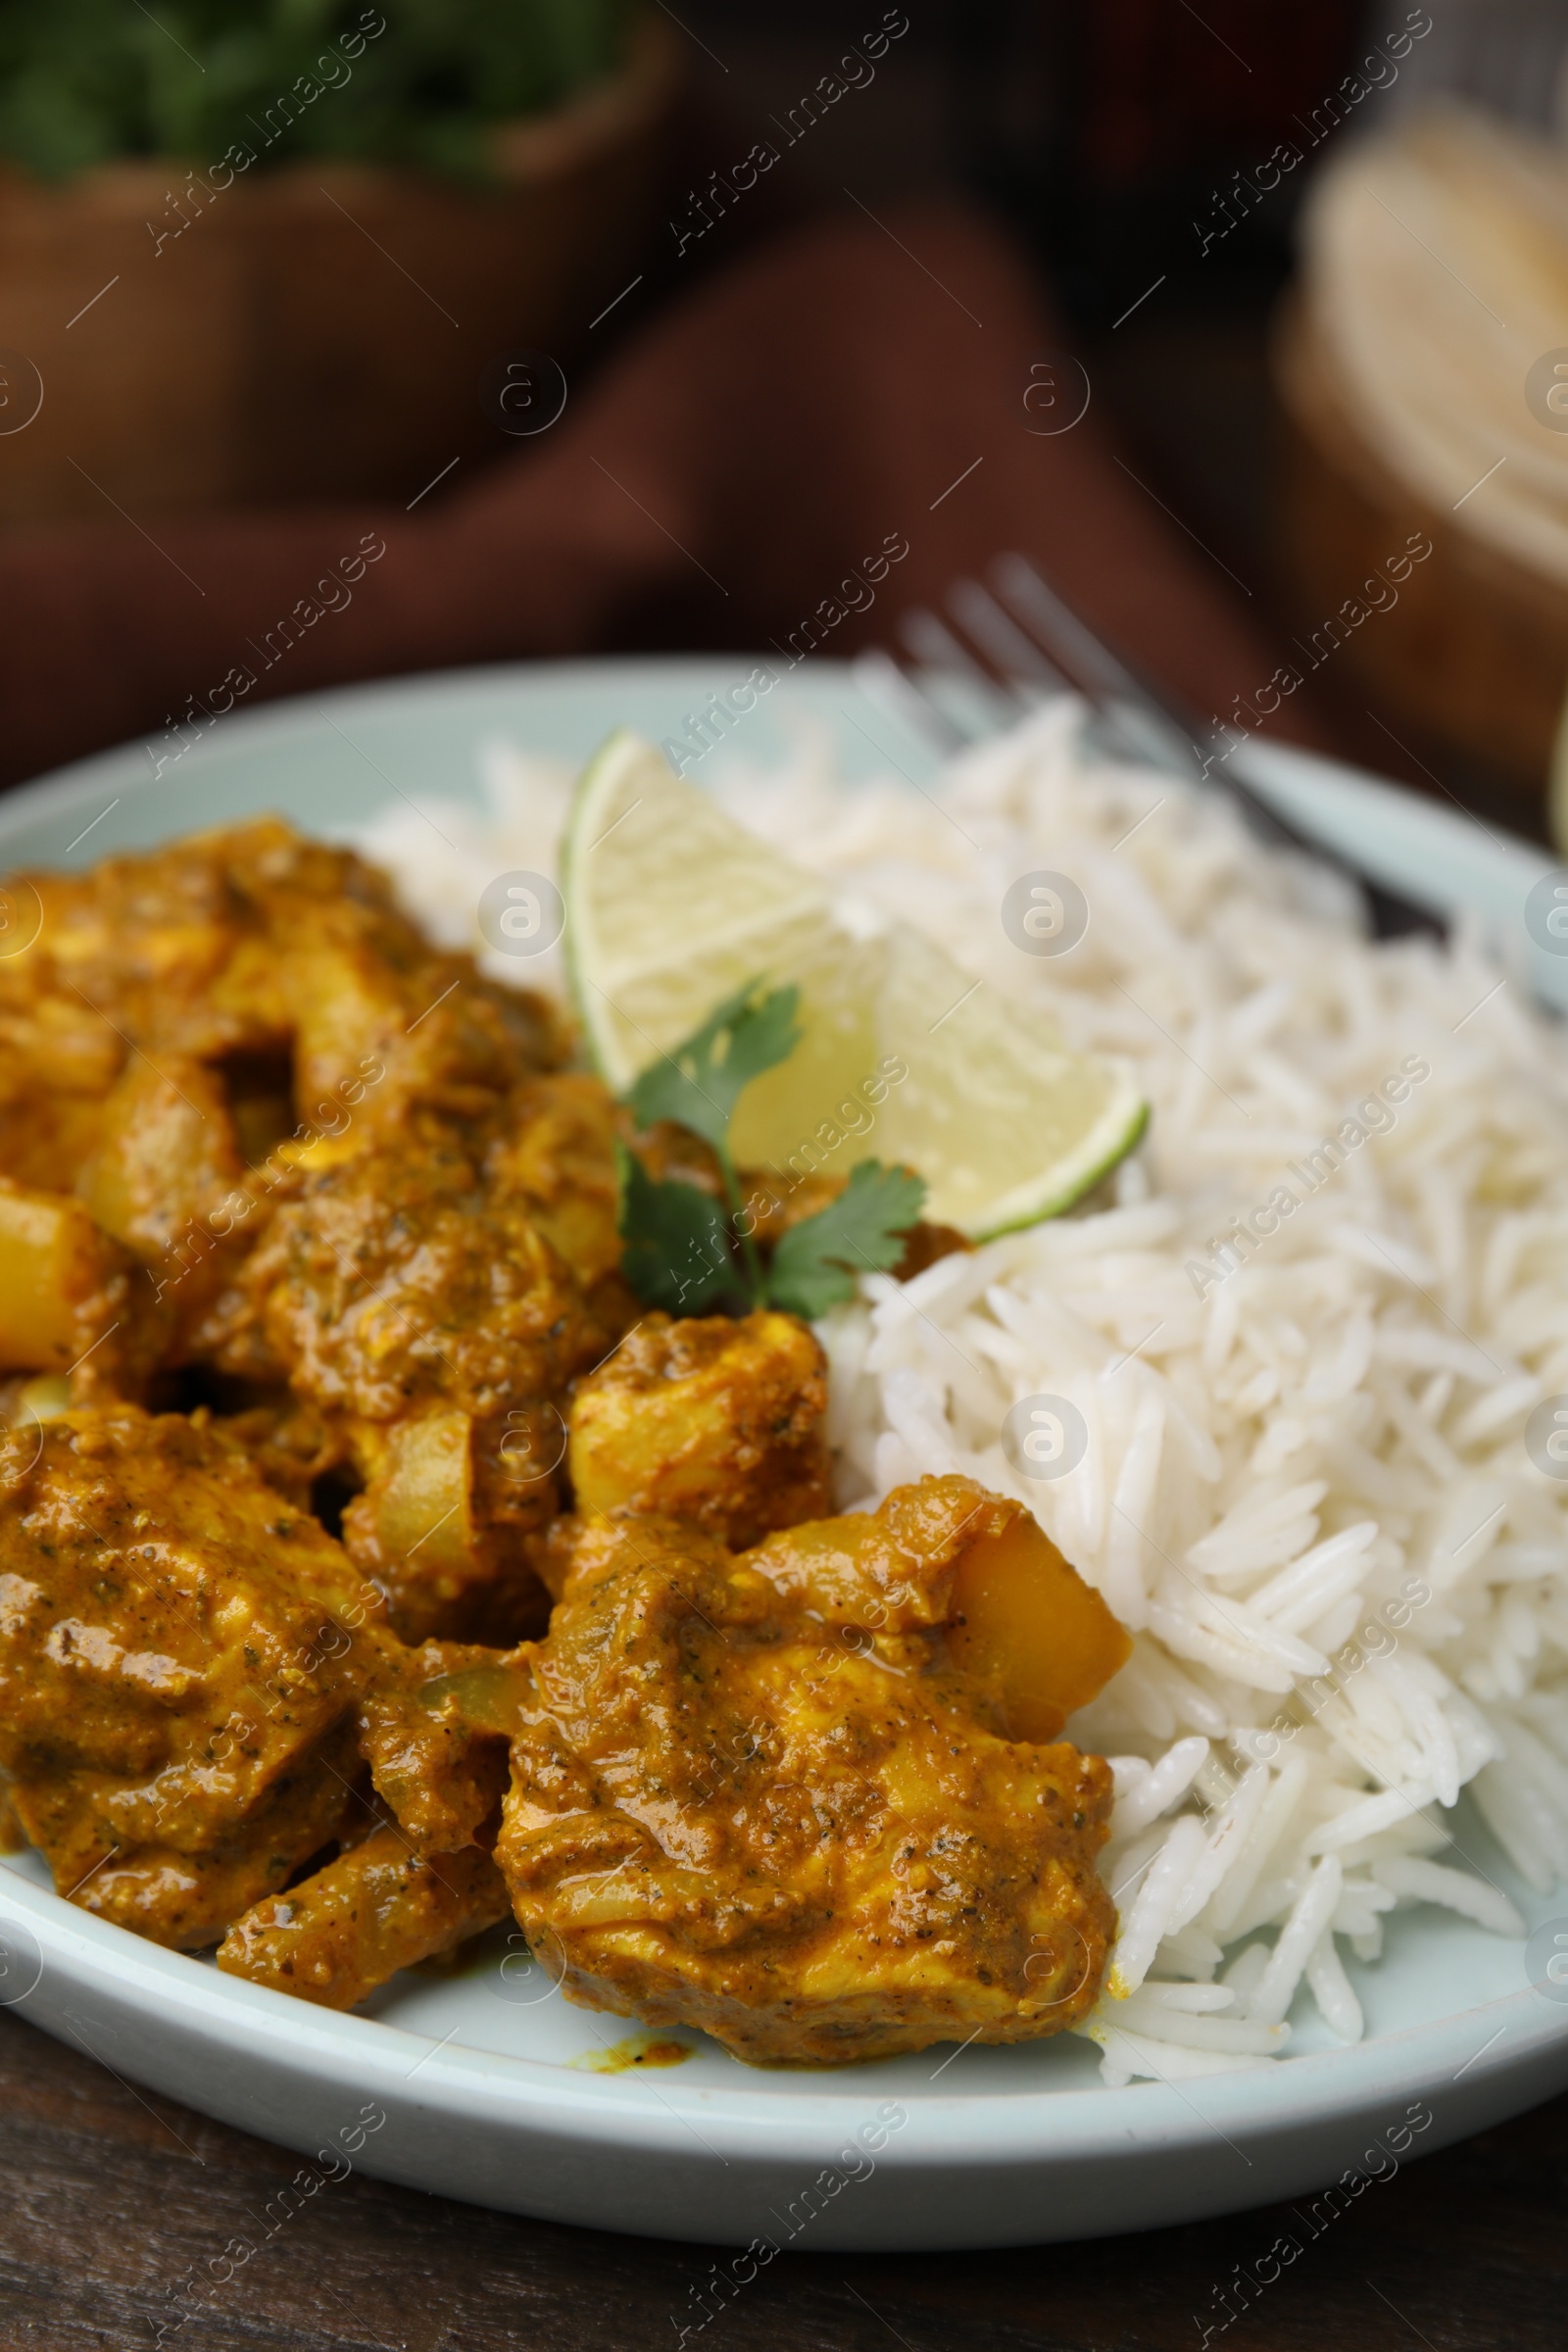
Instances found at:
x=1323 y=2086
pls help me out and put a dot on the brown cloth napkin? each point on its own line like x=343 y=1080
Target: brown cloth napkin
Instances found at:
x=847 y=390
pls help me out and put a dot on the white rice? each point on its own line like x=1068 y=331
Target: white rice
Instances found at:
x=1330 y=1427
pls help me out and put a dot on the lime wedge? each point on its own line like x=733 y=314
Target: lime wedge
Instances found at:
x=670 y=906
x=1002 y=1119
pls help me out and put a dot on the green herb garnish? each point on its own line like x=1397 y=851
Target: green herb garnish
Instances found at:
x=866 y=1227
x=689 y=1253
x=678 y=1254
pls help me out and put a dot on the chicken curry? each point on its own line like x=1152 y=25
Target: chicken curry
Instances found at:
x=372 y=1567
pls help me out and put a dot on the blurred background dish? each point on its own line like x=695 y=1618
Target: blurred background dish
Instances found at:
x=265 y=353
x=1417 y=403
x=1326 y=351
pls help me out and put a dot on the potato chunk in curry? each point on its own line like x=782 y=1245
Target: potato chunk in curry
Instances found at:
x=712 y=1421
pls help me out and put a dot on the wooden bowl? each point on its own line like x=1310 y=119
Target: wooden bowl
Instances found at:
x=318 y=330
x=1475 y=654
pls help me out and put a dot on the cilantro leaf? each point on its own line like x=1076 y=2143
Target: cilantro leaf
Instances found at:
x=862 y=1232
x=698 y=1084
x=677 y=1253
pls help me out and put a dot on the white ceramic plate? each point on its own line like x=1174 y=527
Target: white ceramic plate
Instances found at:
x=489 y=2087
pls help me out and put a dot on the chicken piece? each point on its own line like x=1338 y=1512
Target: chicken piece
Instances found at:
x=361 y=987
x=253 y=942
x=131 y=948
x=757 y=1795
x=379 y=1907
x=427 y=1314
x=182 y=1656
x=397 y=1276
x=230 y=941
x=557 y=1154
x=437 y=1038
x=436 y=1749
x=167 y=1019
x=133 y=953
x=172 y=1895
x=434 y=1728
x=714 y=1422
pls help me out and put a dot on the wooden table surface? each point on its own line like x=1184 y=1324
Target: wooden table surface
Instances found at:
x=109 y=2198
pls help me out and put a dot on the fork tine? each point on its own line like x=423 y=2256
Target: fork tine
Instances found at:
x=1059 y=629
x=1046 y=642
x=905 y=702
x=1147 y=726
x=1000 y=638
x=934 y=644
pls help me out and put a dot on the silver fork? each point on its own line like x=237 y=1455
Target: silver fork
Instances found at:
x=1034 y=646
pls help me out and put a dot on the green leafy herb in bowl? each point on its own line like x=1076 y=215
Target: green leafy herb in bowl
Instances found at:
x=406 y=81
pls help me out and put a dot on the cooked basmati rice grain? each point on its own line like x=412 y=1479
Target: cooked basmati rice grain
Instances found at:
x=1332 y=1989
x=1163 y=1887
x=1160 y=1787
x=1246 y=1973
x=1309 y=1917
x=1457 y=1889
